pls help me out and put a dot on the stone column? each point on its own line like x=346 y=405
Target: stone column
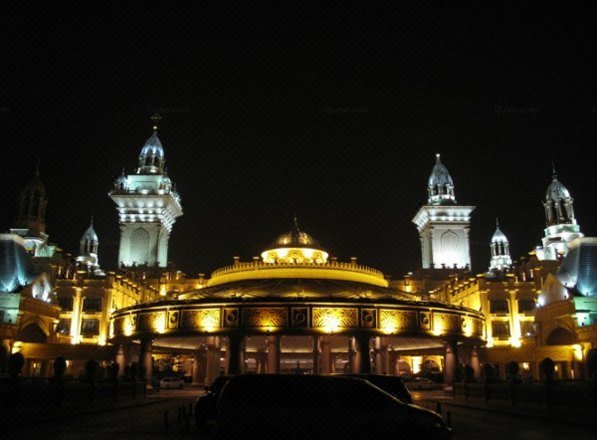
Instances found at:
x=450 y=362
x=353 y=358
x=212 y=361
x=122 y=359
x=198 y=368
x=393 y=362
x=316 y=355
x=261 y=358
x=326 y=356
x=145 y=360
x=476 y=363
x=236 y=360
x=363 y=353
x=273 y=354
x=384 y=359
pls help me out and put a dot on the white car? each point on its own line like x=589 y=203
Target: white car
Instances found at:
x=171 y=382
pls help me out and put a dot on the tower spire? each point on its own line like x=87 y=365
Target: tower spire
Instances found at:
x=155 y=121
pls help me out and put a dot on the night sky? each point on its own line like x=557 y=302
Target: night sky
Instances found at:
x=332 y=114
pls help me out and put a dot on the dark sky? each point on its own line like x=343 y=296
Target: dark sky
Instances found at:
x=334 y=114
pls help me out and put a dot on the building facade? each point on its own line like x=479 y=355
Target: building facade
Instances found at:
x=296 y=308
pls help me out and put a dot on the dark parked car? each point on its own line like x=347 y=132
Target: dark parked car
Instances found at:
x=393 y=385
x=308 y=407
x=205 y=405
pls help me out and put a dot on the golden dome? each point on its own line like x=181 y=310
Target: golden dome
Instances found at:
x=295 y=246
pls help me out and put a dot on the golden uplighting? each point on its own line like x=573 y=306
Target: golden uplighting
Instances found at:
x=577 y=348
x=159 y=325
x=17 y=347
x=209 y=323
x=438 y=328
x=417 y=361
x=128 y=326
x=331 y=322
x=389 y=325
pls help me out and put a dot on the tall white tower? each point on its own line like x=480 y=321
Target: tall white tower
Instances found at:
x=442 y=224
x=148 y=206
x=500 y=250
x=561 y=227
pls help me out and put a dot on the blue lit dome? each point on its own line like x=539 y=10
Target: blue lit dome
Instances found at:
x=579 y=268
x=16 y=270
x=152 y=147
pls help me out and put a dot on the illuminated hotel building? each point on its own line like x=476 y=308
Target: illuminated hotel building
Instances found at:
x=296 y=308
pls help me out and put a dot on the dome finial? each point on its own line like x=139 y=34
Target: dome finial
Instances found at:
x=295 y=221
x=553 y=170
x=91 y=222
x=155 y=120
x=437 y=157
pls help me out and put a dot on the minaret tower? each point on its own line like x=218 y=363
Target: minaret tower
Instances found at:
x=500 y=250
x=442 y=224
x=31 y=218
x=148 y=206
x=561 y=227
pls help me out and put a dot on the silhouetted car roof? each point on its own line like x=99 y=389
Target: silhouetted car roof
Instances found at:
x=309 y=406
x=393 y=385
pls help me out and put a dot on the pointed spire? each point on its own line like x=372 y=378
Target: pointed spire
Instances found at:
x=497 y=223
x=553 y=171
x=440 y=186
x=295 y=221
x=155 y=120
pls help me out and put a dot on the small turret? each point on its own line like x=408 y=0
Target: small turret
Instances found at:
x=558 y=203
x=88 y=249
x=561 y=227
x=500 y=250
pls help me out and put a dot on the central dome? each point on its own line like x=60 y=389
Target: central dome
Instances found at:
x=295 y=246
x=296 y=237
